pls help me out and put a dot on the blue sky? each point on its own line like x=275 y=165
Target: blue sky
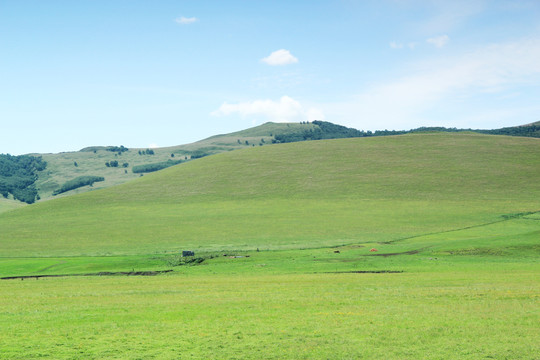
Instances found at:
x=162 y=73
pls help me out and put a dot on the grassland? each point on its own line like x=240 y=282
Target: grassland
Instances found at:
x=286 y=233
x=91 y=161
x=9 y=204
x=469 y=313
x=299 y=195
x=66 y=166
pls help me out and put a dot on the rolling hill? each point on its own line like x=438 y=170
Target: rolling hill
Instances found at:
x=117 y=164
x=375 y=247
x=296 y=195
x=92 y=161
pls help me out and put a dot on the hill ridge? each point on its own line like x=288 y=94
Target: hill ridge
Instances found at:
x=117 y=164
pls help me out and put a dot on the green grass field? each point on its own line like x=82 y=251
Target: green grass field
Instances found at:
x=61 y=167
x=487 y=311
x=286 y=233
x=311 y=194
x=9 y=204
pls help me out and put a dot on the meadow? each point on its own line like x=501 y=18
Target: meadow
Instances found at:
x=90 y=161
x=419 y=246
x=461 y=311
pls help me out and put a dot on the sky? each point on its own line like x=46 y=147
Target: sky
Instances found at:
x=164 y=73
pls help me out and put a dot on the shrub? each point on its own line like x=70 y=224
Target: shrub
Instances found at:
x=146 y=152
x=77 y=183
x=146 y=168
x=197 y=154
x=117 y=149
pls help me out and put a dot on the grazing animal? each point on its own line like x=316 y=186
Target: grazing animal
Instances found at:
x=372 y=250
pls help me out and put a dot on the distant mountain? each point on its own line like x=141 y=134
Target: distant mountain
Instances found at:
x=118 y=164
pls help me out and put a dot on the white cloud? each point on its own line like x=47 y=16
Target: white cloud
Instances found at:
x=439 y=41
x=455 y=85
x=153 y=146
x=411 y=45
x=186 y=21
x=396 y=45
x=280 y=57
x=285 y=110
x=448 y=15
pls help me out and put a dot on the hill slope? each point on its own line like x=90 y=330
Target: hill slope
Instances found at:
x=127 y=164
x=92 y=161
x=319 y=193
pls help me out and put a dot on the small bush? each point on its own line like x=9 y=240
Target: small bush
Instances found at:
x=197 y=154
x=117 y=149
x=145 y=168
x=77 y=183
x=146 y=152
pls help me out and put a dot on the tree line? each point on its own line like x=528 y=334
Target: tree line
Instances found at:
x=117 y=149
x=323 y=130
x=78 y=182
x=146 y=168
x=328 y=130
x=18 y=175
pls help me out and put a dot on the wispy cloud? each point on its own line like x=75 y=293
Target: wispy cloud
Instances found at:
x=434 y=85
x=280 y=57
x=449 y=15
x=286 y=109
x=438 y=41
x=396 y=45
x=186 y=21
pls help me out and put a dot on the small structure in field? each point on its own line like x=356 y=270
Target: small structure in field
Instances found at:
x=373 y=250
x=188 y=253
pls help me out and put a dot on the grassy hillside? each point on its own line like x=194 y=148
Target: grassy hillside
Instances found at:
x=298 y=195
x=9 y=204
x=454 y=218
x=65 y=167
x=91 y=161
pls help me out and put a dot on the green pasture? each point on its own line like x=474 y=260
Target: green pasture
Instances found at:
x=9 y=204
x=473 y=313
x=410 y=247
x=453 y=299
x=508 y=241
x=91 y=161
x=299 y=195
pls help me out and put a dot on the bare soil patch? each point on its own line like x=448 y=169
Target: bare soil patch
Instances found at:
x=103 y=273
